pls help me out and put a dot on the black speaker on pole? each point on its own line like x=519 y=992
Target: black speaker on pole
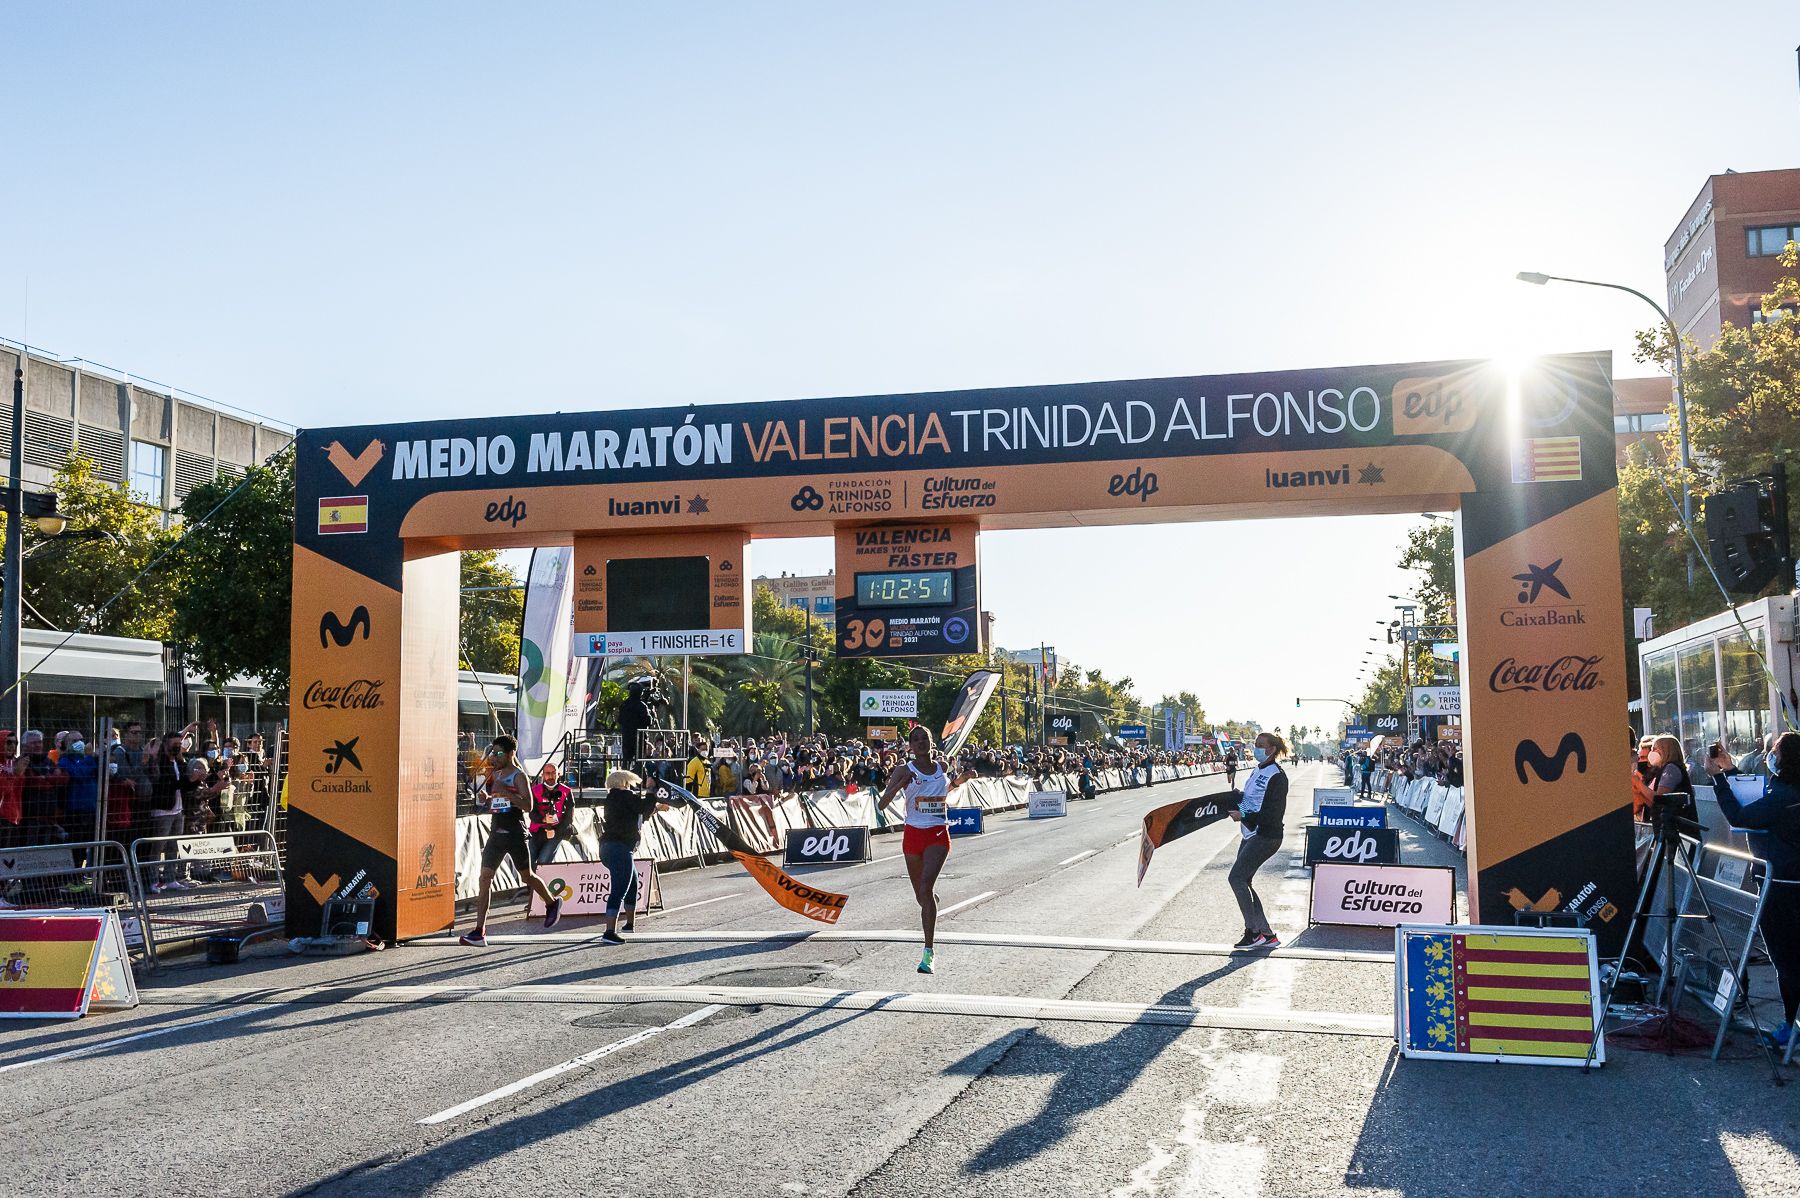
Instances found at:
x=1743 y=535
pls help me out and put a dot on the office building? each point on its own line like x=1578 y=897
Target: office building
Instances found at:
x=1723 y=255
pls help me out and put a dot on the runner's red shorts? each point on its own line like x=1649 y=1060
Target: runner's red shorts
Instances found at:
x=914 y=841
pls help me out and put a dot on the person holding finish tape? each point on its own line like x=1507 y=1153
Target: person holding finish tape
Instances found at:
x=1260 y=811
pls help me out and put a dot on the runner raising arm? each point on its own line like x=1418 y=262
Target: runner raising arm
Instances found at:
x=925 y=842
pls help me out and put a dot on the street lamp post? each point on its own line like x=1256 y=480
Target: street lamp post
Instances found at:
x=1681 y=424
x=11 y=604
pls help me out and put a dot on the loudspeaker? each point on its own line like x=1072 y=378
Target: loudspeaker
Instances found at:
x=1741 y=530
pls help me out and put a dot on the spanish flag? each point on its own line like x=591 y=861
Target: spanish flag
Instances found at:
x=344 y=513
x=46 y=963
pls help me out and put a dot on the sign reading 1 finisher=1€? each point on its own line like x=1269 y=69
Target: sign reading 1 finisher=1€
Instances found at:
x=908 y=590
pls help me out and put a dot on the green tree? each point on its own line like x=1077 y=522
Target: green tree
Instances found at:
x=706 y=695
x=87 y=579
x=1743 y=415
x=763 y=688
x=233 y=574
x=493 y=606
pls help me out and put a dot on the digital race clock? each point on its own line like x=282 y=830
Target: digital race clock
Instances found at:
x=906 y=588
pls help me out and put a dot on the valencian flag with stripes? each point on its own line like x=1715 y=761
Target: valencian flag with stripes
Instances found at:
x=47 y=963
x=1499 y=995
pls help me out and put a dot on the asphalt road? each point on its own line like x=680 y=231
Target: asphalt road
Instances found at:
x=746 y=1058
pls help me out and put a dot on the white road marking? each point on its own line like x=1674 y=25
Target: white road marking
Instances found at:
x=986 y=894
x=103 y=1045
x=1077 y=857
x=1186 y=948
x=586 y=1058
x=991 y=1006
x=686 y=906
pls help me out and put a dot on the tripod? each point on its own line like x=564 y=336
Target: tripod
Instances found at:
x=1668 y=848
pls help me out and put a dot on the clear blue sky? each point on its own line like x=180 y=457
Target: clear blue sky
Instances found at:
x=336 y=213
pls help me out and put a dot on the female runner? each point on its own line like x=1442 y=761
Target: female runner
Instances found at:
x=926 y=839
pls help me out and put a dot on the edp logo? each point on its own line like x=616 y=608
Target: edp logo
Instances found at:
x=509 y=512
x=1139 y=482
x=829 y=847
x=1354 y=847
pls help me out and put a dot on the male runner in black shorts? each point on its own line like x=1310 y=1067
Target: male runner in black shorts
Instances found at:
x=509 y=803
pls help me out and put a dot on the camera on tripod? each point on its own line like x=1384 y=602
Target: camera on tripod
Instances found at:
x=1668 y=815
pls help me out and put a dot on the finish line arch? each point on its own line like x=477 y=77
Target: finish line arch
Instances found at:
x=1525 y=457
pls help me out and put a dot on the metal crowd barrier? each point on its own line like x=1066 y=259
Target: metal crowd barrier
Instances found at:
x=81 y=873
x=1713 y=965
x=192 y=887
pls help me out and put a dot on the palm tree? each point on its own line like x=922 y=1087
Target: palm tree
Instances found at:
x=764 y=688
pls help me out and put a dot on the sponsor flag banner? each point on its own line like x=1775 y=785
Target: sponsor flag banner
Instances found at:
x=551 y=676
x=343 y=513
x=796 y=896
x=1175 y=820
x=971 y=700
x=47 y=963
x=1507 y=995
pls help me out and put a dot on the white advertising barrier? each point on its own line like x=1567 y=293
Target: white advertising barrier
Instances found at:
x=584 y=886
x=1383 y=896
x=1046 y=804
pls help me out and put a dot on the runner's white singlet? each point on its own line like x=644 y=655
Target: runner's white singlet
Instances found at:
x=925 y=797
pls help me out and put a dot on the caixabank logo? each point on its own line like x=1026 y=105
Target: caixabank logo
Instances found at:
x=1540 y=588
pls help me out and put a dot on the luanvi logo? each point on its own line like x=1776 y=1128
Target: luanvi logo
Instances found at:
x=354 y=467
x=1549 y=766
x=1140 y=482
x=331 y=629
x=1572 y=672
x=1308 y=478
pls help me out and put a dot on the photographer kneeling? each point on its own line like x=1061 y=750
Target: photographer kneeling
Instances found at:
x=1774 y=826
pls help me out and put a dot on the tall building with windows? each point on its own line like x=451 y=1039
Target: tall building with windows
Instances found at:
x=1721 y=258
x=159 y=441
x=817 y=592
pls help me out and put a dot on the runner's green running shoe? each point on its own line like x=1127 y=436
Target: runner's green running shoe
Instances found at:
x=925 y=965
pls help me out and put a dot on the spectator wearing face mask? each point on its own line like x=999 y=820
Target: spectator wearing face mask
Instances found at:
x=81 y=798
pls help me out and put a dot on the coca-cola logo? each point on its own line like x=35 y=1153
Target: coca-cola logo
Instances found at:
x=360 y=694
x=1569 y=673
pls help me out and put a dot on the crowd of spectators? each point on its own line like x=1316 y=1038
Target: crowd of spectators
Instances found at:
x=1441 y=763
x=63 y=789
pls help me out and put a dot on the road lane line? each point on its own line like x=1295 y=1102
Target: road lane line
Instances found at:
x=988 y=1006
x=586 y=1058
x=103 y=1045
x=1180 y=948
x=986 y=894
x=701 y=903
x=1077 y=857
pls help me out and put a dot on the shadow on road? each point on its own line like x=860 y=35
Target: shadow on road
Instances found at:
x=1089 y=1077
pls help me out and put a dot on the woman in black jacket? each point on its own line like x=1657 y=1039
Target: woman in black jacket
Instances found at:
x=1773 y=822
x=1261 y=811
x=622 y=816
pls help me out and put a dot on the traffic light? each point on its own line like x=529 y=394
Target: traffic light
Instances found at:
x=1746 y=532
